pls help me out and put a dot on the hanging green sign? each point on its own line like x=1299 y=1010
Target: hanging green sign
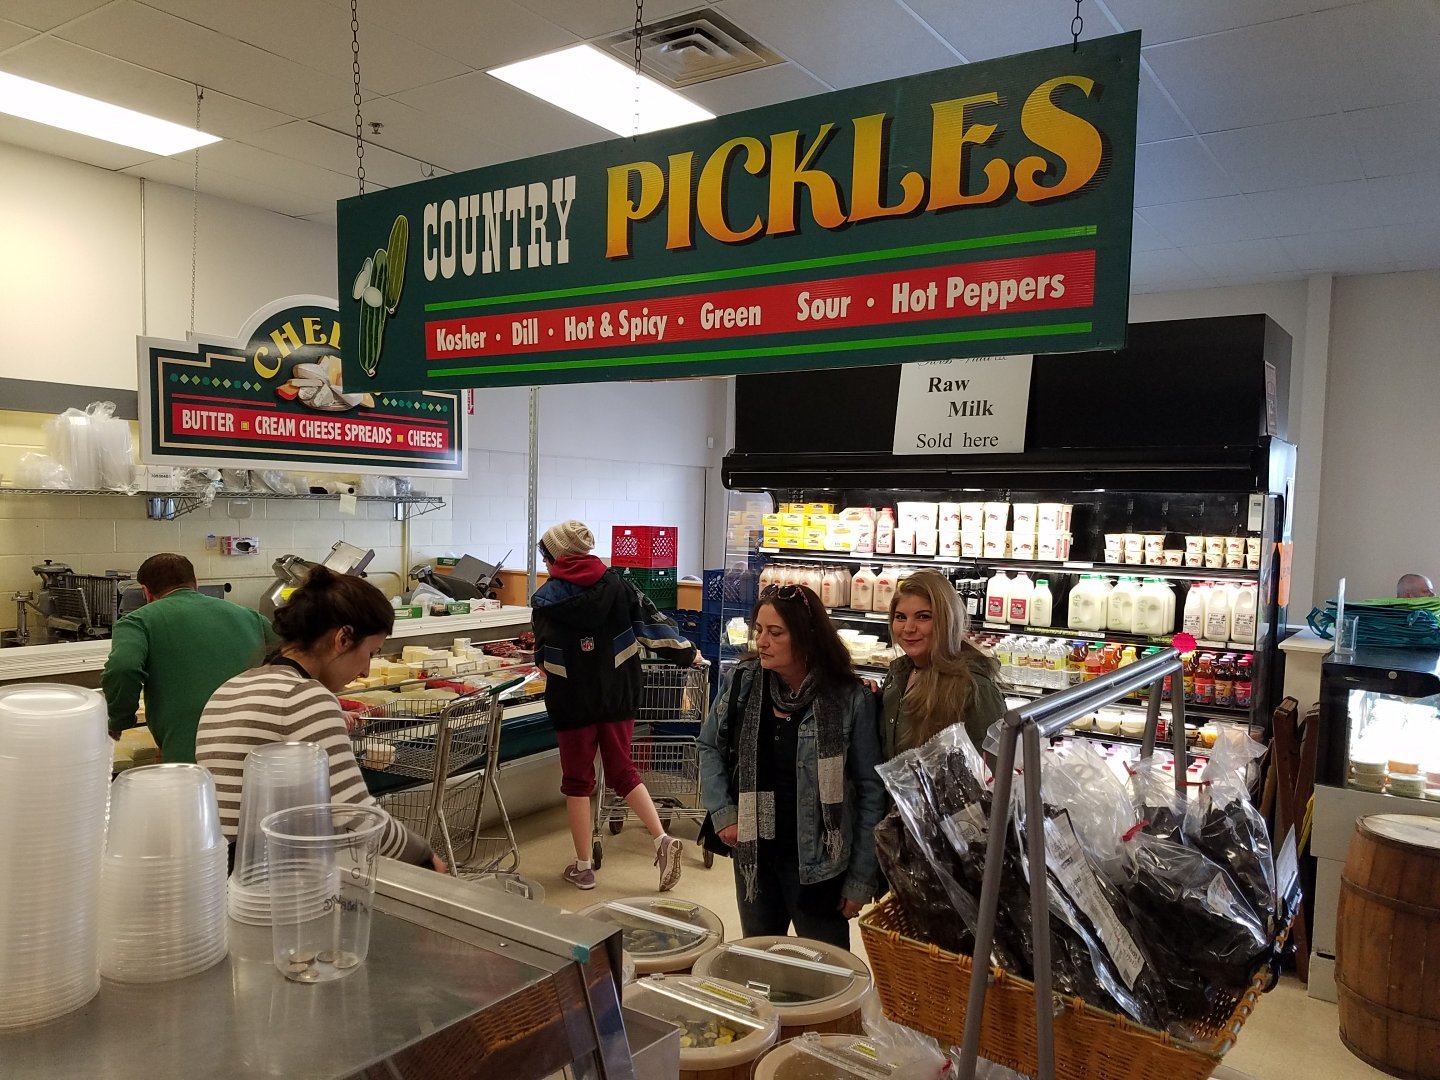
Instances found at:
x=978 y=210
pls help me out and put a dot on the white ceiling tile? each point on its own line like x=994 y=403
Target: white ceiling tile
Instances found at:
x=980 y=31
x=1289 y=211
x=283 y=173
x=851 y=44
x=329 y=217
x=12 y=33
x=1258 y=75
x=1144 y=236
x=1206 y=221
x=1398 y=200
x=48 y=14
x=317 y=35
x=1396 y=139
x=1162 y=263
x=335 y=152
x=225 y=186
x=1417 y=246
x=1293 y=153
x=133 y=32
x=752 y=89
x=1351 y=251
x=1156 y=118
x=600 y=18
x=1227 y=281
x=66 y=144
x=1241 y=257
x=1180 y=170
x=406 y=131
x=1170 y=20
x=479 y=35
x=85 y=71
x=1382 y=52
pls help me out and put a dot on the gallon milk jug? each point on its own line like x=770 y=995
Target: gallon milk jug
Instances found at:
x=1151 y=606
x=997 y=598
x=1243 y=614
x=1021 y=590
x=1121 y=607
x=1041 y=604
x=1194 y=621
x=1170 y=606
x=1217 y=614
x=1083 y=606
x=862 y=589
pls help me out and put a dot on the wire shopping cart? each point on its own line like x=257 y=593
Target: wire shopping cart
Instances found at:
x=433 y=764
x=665 y=747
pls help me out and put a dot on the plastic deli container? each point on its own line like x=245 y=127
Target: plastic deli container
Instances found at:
x=812 y=985
x=664 y=936
x=825 y=1057
x=723 y=1027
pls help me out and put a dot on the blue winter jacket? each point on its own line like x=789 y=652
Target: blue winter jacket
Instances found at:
x=864 y=794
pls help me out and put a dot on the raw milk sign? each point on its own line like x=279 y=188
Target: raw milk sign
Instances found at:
x=975 y=405
x=276 y=397
x=976 y=210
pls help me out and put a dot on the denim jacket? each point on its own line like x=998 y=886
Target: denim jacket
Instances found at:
x=864 y=794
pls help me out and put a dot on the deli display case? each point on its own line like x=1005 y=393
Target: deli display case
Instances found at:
x=1379 y=753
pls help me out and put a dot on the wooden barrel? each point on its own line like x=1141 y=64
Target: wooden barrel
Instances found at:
x=1387 y=945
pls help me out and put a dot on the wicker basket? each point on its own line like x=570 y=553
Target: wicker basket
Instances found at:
x=926 y=988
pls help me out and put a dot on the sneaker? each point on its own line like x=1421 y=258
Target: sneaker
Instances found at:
x=581 y=879
x=667 y=858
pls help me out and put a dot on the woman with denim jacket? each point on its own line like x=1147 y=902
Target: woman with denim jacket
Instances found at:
x=787 y=772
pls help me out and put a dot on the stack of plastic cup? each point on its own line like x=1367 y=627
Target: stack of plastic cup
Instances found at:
x=54 y=784
x=277 y=776
x=162 y=885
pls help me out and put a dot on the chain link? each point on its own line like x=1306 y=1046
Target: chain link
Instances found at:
x=195 y=212
x=359 y=119
x=639 y=29
x=1077 y=24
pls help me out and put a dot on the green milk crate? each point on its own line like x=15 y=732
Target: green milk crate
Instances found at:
x=658 y=584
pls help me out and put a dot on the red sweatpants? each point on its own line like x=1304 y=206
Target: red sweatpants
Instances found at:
x=577 y=758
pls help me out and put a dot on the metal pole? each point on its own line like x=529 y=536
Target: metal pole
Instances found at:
x=1039 y=908
x=533 y=510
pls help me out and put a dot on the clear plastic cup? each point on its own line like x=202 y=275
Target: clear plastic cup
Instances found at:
x=163 y=810
x=277 y=777
x=322 y=884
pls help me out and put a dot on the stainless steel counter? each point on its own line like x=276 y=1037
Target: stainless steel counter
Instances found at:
x=442 y=994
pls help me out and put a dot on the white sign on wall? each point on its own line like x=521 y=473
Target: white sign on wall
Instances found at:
x=970 y=406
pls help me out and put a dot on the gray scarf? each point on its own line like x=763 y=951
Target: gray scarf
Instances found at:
x=757 y=808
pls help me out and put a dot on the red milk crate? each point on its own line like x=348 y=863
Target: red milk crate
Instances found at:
x=644 y=546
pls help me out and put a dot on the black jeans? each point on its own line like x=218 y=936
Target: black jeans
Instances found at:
x=780 y=899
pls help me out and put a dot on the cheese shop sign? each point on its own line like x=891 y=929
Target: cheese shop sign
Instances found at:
x=977 y=210
x=276 y=396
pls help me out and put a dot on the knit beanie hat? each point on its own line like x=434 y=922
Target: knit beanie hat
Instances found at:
x=568 y=538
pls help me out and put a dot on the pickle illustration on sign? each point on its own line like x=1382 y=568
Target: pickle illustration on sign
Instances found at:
x=377 y=288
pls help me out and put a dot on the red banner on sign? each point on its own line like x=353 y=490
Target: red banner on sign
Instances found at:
x=258 y=425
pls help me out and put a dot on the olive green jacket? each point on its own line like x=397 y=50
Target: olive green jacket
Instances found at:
x=984 y=705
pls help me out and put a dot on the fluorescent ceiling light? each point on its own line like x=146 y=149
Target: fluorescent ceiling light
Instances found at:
x=599 y=88
x=50 y=105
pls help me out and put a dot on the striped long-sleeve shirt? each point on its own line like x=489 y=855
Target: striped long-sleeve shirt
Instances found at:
x=279 y=704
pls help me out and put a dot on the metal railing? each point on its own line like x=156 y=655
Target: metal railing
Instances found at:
x=1031 y=723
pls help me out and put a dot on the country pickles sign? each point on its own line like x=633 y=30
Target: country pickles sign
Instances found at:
x=974 y=211
x=276 y=396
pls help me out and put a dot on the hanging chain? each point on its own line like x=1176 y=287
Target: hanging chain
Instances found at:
x=359 y=120
x=1077 y=24
x=195 y=211
x=639 y=28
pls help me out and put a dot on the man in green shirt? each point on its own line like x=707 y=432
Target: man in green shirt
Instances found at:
x=178 y=649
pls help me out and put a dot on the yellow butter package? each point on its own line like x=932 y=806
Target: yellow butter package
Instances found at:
x=820 y=508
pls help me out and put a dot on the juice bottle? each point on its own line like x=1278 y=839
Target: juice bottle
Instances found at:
x=1075 y=663
x=1244 y=684
x=1187 y=665
x=1094 y=663
x=1225 y=681
x=1205 y=681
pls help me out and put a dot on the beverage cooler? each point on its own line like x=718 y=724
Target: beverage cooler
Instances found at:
x=1379 y=753
x=1152 y=495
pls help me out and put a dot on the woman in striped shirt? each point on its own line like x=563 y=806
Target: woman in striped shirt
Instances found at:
x=331 y=628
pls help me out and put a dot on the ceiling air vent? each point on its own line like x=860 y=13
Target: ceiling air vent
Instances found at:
x=692 y=48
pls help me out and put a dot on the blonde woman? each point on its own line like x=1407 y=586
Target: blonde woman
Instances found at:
x=941 y=678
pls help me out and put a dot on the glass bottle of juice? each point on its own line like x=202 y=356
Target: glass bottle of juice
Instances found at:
x=1205 y=680
x=1094 y=662
x=1075 y=663
x=1244 y=684
x=1187 y=664
x=1225 y=680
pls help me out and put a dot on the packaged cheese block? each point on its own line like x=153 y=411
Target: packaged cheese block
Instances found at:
x=813 y=539
x=770 y=521
x=821 y=520
x=819 y=508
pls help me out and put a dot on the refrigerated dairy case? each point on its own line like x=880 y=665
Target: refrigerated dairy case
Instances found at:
x=459 y=982
x=1379 y=753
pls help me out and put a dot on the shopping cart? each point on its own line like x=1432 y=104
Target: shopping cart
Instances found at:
x=665 y=747
x=433 y=765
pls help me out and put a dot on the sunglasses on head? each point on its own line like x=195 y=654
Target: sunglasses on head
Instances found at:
x=781 y=592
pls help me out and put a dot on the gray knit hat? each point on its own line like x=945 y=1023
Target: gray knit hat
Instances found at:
x=568 y=538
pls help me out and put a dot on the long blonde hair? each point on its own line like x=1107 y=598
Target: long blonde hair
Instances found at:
x=942 y=692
